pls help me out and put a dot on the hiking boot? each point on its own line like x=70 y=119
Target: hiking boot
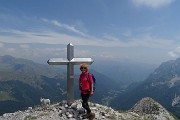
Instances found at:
x=85 y=116
x=91 y=116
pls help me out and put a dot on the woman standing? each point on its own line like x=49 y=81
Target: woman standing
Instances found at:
x=86 y=87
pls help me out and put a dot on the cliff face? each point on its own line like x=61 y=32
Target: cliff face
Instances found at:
x=145 y=109
x=163 y=85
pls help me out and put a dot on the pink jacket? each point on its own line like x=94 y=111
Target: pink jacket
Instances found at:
x=84 y=83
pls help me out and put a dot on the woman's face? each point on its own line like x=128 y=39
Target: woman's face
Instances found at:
x=83 y=69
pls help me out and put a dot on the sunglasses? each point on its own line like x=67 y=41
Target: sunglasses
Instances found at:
x=83 y=68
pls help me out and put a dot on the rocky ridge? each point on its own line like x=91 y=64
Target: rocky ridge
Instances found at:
x=145 y=109
x=151 y=109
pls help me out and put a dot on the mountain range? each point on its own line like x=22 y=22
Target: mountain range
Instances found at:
x=23 y=82
x=163 y=85
x=126 y=72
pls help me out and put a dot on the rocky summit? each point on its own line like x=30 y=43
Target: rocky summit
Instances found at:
x=151 y=109
x=145 y=109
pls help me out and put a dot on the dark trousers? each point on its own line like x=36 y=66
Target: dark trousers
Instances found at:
x=85 y=98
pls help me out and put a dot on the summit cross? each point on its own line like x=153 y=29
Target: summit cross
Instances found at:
x=70 y=62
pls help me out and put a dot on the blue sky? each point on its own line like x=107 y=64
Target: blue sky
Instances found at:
x=146 y=31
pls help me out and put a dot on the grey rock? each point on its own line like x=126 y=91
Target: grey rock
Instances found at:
x=74 y=106
x=147 y=109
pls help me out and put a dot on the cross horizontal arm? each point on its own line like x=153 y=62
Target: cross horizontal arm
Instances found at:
x=78 y=61
x=74 y=61
x=58 y=61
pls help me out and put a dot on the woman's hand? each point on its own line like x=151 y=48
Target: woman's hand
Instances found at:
x=91 y=94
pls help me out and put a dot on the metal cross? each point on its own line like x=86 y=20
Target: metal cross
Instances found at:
x=70 y=62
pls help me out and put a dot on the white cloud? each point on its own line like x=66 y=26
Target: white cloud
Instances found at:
x=107 y=55
x=24 y=46
x=174 y=53
x=65 y=26
x=37 y=54
x=50 y=37
x=110 y=37
x=108 y=47
x=82 y=53
x=11 y=49
x=152 y=3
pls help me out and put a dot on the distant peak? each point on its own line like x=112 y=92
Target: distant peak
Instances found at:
x=7 y=57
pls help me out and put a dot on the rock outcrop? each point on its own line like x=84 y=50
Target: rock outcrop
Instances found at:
x=146 y=109
x=151 y=109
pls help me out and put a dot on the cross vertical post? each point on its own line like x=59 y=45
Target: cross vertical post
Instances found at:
x=70 y=62
x=70 y=73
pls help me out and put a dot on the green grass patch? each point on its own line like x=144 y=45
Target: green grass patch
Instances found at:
x=175 y=118
x=29 y=117
x=5 y=96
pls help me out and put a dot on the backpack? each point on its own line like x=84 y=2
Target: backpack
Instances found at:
x=94 y=80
